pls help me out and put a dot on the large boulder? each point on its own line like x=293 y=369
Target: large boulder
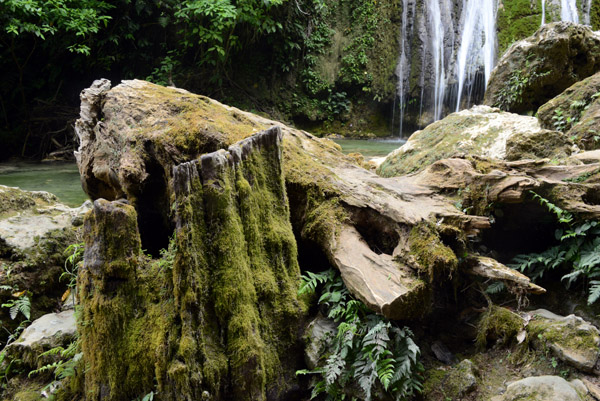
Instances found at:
x=481 y=131
x=576 y=111
x=538 y=68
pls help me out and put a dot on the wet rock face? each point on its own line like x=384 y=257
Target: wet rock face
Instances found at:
x=218 y=314
x=543 y=65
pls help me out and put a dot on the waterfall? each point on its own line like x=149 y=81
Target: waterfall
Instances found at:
x=587 y=9
x=568 y=11
x=434 y=18
x=403 y=67
x=478 y=45
x=543 y=12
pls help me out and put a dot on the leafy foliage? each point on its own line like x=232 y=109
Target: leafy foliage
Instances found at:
x=20 y=305
x=578 y=250
x=367 y=349
x=75 y=19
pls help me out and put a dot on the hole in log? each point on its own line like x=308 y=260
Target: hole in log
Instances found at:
x=591 y=197
x=152 y=205
x=378 y=231
x=521 y=228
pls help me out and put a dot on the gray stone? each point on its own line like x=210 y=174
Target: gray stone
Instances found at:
x=317 y=333
x=47 y=332
x=38 y=214
x=541 y=388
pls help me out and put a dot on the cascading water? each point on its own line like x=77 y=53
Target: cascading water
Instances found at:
x=403 y=67
x=543 y=12
x=434 y=18
x=587 y=10
x=568 y=11
x=447 y=52
x=474 y=53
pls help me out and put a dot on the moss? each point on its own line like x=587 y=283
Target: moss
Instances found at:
x=450 y=137
x=219 y=312
x=432 y=255
x=517 y=19
x=196 y=124
x=29 y=395
x=452 y=384
x=13 y=200
x=497 y=324
x=565 y=335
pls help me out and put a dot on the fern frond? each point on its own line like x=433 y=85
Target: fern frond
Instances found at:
x=594 y=291
x=495 y=288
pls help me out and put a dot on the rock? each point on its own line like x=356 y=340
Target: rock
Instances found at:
x=592 y=388
x=538 y=68
x=541 y=388
x=316 y=334
x=589 y=157
x=35 y=230
x=34 y=216
x=442 y=353
x=576 y=111
x=455 y=385
x=571 y=339
x=480 y=131
x=49 y=331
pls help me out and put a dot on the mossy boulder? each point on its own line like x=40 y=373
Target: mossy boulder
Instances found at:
x=498 y=325
x=570 y=338
x=454 y=384
x=481 y=131
x=576 y=111
x=538 y=68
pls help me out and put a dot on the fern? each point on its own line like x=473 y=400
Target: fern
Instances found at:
x=578 y=250
x=20 y=305
x=495 y=288
x=594 y=291
x=367 y=349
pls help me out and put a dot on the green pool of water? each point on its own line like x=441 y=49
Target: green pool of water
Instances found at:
x=370 y=148
x=59 y=178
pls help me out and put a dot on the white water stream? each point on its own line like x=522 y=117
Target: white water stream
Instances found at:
x=543 y=12
x=478 y=45
x=568 y=11
x=454 y=70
